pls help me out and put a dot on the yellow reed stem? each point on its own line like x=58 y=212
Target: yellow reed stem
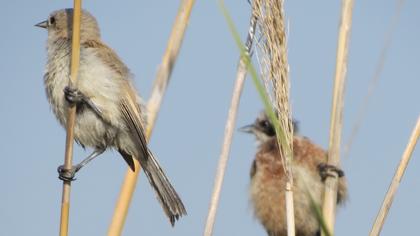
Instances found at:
x=68 y=156
x=389 y=197
x=330 y=195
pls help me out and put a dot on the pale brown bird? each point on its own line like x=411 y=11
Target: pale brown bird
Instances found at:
x=109 y=110
x=268 y=180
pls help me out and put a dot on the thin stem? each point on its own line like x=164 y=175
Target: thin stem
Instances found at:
x=230 y=124
x=330 y=196
x=153 y=106
x=290 y=209
x=389 y=197
x=68 y=156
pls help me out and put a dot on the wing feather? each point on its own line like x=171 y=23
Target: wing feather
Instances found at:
x=132 y=116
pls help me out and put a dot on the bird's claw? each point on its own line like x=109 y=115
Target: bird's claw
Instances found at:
x=73 y=95
x=325 y=170
x=67 y=174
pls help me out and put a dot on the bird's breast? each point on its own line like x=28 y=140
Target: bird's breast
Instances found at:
x=56 y=78
x=90 y=129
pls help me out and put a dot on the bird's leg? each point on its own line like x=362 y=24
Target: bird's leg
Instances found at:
x=74 y=96
x=68 y=174
x=326 y=169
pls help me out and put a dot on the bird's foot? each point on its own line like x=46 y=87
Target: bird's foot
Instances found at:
x=67 y=174
x=73 y=95
x=325 y=170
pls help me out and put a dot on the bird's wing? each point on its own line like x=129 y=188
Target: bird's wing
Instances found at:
x=132 y=116
x=103 y=82
x=129 y=107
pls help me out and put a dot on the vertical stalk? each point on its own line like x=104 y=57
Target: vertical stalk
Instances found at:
x=330 y=195
x=68 y=156
x=290 y=209
x=230 y=124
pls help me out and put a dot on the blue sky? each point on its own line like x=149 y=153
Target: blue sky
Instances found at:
x=188 y=134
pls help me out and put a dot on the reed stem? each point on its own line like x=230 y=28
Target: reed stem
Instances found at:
x=68 y=156
x=229 y=128
x=389 y=197
x=330 y=195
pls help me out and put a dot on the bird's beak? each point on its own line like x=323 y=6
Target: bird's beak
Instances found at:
x=43 y=24
x=247 y=128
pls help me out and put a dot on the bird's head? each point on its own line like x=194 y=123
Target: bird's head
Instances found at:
x=263 y=129
x=60 y=25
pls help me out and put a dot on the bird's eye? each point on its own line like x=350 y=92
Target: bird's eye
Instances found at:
x=51 y=20
x=265 y=124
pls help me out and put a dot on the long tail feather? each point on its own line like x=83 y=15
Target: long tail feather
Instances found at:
x=165 y=193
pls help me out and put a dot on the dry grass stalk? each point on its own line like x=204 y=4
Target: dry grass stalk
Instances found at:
x=275 y=73
x=159 y=89
x=363 y=109
x=229 y=128
x=68 y=156
x=389 y=197
x=330 y=195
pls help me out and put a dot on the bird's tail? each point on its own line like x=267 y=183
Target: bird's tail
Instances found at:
x=165 y=193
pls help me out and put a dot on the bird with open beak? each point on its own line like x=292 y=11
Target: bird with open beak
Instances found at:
x=268 y=180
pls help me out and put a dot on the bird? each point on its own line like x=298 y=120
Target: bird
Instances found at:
x=109 y=112
x=268 y=180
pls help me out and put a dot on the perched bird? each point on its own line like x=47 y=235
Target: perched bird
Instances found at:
x=268 y=181
x=109 y=112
